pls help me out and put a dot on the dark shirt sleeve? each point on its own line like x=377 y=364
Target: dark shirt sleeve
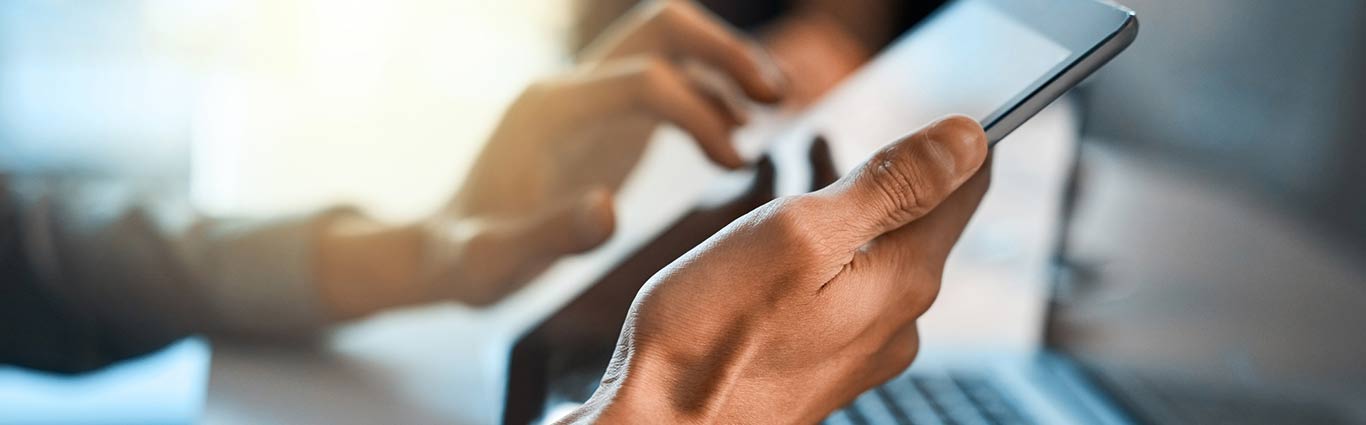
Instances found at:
x=99 y=272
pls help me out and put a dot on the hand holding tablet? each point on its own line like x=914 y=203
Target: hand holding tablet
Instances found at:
x=996 y=61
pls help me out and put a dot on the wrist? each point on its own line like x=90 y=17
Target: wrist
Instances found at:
x=610 y=406
x=629 y=392
x=364 y=266
x=702 y=383
x=661 y=388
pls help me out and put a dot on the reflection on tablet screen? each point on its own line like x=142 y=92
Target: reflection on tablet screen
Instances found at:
x=955 y=62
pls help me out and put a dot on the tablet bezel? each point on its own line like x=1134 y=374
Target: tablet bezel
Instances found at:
x=1092 y=32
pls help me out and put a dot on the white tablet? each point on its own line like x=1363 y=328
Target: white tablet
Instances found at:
x=999 y=61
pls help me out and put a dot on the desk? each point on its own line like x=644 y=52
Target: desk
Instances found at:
x=445 y=363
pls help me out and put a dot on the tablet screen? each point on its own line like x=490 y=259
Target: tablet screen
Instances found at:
x=969 y=58
x=973 y=59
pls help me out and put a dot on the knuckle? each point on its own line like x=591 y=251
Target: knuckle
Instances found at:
x=899 y=184
x=789 y=213
x=794 y=220
x=914 y=174
x=655 y=74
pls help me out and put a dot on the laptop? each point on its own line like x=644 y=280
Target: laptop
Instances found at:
x=1175 y=300
x=1210 y=266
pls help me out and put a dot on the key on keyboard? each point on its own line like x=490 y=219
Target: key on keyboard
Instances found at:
x=952 y=399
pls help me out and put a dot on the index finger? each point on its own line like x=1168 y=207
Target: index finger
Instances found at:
x=680 y=29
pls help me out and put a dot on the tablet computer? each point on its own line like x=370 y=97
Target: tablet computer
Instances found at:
x=1052 y=45
x=998 y=61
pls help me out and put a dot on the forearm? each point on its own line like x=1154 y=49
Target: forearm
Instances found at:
x=610 y=407
x=129 y=270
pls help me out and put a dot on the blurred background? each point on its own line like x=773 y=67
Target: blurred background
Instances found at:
x=258 y=108
x=1265 y=95
x=270 y=106
x=1212 y=175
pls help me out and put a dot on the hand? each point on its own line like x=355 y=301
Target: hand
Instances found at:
x=816 y=51
x=543 y=185
x=581 y=335
x=796 y=308
x=595 y=317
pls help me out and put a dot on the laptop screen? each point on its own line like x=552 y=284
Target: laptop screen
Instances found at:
x=1216 y=239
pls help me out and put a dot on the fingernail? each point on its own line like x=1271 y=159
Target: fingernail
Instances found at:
x=962 y=138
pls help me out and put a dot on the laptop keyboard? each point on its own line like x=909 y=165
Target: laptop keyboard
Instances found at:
x=947 y=399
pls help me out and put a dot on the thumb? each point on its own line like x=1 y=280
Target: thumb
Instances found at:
x=908 y=178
